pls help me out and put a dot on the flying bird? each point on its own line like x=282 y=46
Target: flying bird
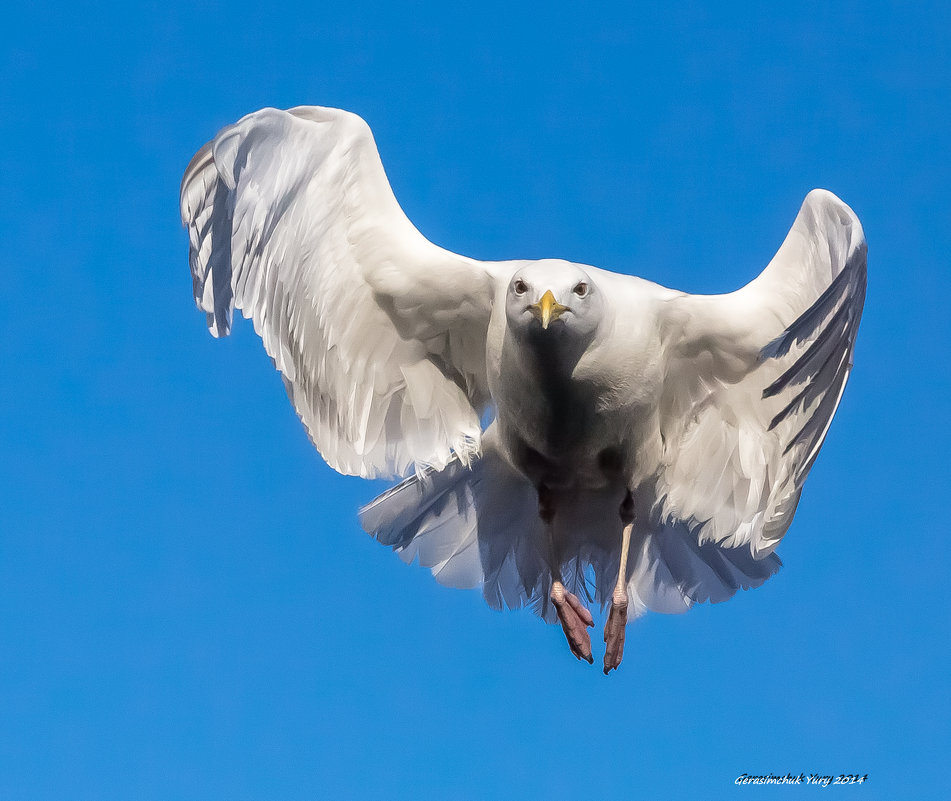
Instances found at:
x=572 y=436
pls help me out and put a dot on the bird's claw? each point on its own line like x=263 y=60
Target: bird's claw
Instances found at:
x=575 y=620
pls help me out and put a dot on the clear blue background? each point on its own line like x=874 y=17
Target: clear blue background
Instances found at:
x=188 y=608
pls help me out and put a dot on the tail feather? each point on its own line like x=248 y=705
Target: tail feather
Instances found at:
x=473 y=526
x=478 y=526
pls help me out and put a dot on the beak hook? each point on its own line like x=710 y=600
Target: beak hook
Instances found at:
x=547 y=309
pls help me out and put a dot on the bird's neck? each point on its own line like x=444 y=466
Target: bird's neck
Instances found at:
x=547 y=403
x=553 y=355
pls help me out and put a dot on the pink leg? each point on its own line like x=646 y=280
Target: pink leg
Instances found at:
x=617 y=618
x=575 y=619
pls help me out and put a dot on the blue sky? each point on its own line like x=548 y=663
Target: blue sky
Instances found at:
x=188 y=608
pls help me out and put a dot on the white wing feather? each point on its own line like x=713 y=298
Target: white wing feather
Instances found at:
x=379 y=334
x=755 y=377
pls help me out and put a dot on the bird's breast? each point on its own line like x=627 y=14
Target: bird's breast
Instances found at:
x=562 y=427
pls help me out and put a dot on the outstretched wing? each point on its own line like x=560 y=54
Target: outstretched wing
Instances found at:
x=378 y=333
x=754 y=379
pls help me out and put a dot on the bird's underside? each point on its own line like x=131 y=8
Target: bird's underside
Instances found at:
x=647 y=448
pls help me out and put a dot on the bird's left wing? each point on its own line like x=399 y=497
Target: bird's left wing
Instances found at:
x=378 y=333
x=753 y=380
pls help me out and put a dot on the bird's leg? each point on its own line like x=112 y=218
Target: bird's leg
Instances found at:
x=574 y=617
x=617 y=619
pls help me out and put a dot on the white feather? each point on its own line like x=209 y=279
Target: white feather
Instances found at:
x=292 y=221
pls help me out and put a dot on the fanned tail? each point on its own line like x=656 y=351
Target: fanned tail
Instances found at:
x=478 y=527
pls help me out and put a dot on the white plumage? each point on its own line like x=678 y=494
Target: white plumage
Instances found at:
x=709 y=410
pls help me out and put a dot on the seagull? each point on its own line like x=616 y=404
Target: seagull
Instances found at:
x=571 y=436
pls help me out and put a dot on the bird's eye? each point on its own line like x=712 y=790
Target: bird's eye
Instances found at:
x=581 y=289
x=520 y=287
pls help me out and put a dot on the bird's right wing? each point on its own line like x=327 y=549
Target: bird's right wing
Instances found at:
x=379 y=334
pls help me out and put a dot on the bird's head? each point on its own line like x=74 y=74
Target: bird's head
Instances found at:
x=552 y=300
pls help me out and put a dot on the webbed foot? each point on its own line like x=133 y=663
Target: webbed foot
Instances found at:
x=614 y=632
x=575 y=620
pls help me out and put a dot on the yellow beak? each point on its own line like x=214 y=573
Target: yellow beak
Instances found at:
x=547 y=309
